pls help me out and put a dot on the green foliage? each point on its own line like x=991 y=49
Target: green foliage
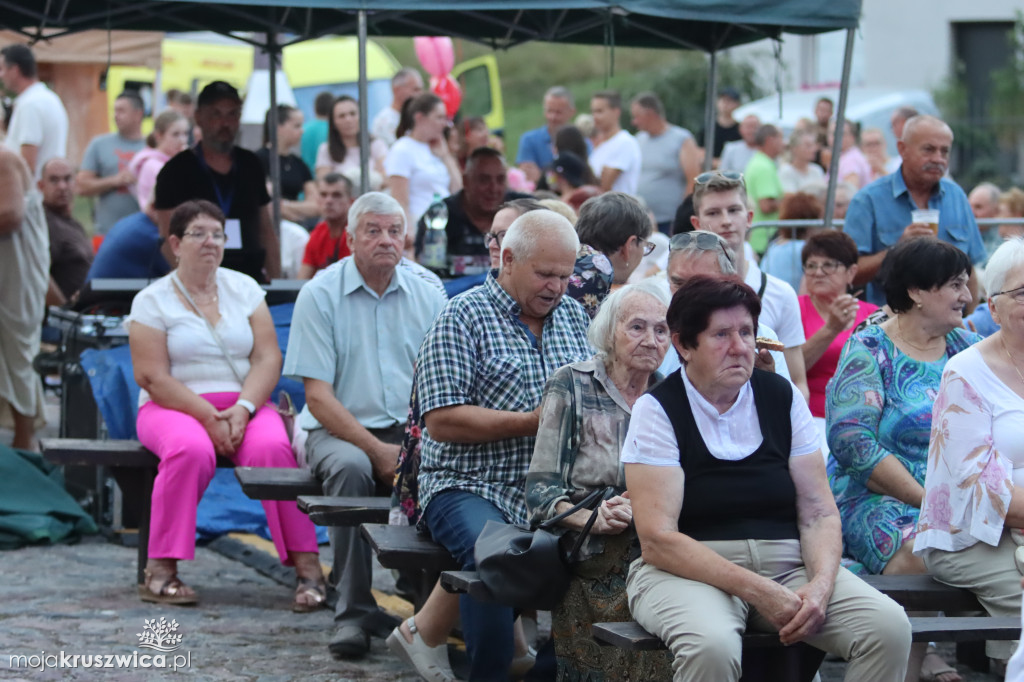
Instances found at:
x=1007 y=101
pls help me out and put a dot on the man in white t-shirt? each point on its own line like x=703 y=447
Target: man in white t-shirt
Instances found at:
x=616 y=157
x=720 y=206
x=405 y=84
x=38 y=130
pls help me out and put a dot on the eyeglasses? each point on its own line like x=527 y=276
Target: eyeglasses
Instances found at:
x=649 y=246
x=827 y=268
x=1016 y=294
x=496 y=236
x=705 y=178
x=218 y=237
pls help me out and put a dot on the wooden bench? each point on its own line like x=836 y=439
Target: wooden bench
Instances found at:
x=406 y=547
x=269 y=483
x=629 y=635
x=345 y=511
x=132 y=466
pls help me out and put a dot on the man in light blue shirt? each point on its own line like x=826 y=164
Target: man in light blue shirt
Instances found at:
x=355 y=333
x=879 y=215
x=536 y=147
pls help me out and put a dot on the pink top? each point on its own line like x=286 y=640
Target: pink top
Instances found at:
x=820 y=372
x=853 y=161
x=146 y=166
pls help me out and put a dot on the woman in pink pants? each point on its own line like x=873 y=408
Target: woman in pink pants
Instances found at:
x=206 y=357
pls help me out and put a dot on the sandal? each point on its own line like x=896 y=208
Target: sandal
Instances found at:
x=170 y=591
x=310 y=595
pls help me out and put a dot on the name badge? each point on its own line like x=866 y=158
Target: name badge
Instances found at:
x=233 y=231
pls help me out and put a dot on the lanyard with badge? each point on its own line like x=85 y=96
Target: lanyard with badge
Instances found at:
x=232 y=226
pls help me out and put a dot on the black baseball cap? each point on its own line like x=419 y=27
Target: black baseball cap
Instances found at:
x=570 y=167
x=730 y=92
x=215 y=92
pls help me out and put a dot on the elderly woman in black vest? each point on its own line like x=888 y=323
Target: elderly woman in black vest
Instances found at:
x=736 y=522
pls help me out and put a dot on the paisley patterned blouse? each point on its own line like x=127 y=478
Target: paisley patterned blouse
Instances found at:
x=879 y=403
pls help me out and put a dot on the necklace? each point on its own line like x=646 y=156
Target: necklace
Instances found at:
x=899 y=329
x=209 y=298
x=1012 y=361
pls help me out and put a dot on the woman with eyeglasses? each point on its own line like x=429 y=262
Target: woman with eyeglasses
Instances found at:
x=828 y=311
x=969 y=530
x=206 y=357
x=878 y=409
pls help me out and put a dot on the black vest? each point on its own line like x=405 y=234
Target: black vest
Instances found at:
x=750 y=499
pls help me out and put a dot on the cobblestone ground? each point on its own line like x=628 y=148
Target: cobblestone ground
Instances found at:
x=81 y=599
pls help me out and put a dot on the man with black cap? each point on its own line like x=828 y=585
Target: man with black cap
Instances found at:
x=727 y=129
x=229 y=176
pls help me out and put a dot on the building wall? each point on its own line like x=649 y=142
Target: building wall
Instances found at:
x=900 y=45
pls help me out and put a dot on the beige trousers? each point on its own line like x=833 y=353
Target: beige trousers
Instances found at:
x=703 y=626
x=990 y=573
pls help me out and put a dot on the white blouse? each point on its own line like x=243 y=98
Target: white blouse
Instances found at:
x=731 y=436
x=196 y=359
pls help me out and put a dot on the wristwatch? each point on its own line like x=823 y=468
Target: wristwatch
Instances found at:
x=249 y=407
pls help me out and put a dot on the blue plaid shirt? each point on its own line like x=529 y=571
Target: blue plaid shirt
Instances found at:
x=479 y=353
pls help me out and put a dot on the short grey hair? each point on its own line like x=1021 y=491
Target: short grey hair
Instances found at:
x=991 y=189
x=915 y=122
x=528 y=229
x=373 y=203
x=404 y=74
x=561 y=92
x=1009 y=256
x=602 y=330
x=726 y=257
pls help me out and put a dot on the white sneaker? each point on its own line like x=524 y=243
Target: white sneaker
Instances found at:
x=431 y=662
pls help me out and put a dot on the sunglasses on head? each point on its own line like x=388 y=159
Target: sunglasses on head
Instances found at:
x=705 y=241
x=705 y=178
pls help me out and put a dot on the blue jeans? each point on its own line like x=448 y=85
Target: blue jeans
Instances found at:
x=455 y=519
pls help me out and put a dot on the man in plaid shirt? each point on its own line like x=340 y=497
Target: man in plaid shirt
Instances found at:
x=481 y=374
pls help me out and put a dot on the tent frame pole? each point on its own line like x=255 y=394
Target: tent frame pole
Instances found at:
x=274 y=52
x=364 y=106
x=837 y=144
x=709 y=111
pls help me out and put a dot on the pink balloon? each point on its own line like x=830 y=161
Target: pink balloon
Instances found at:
x=448 y=90
x=436 y=54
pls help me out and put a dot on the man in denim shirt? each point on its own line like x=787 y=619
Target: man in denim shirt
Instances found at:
x=879 y=215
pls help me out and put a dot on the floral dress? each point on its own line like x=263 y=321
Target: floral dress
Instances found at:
x=591 y=280
x=879 y=403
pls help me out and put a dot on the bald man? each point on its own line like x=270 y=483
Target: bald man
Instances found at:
x=879 y=215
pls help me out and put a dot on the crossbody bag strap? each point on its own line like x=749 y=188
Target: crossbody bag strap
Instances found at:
x=213 y=332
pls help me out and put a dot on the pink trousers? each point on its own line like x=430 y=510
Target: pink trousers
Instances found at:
x=187 y=463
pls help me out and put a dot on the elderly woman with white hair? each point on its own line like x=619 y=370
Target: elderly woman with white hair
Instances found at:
x=969 y=529
x=583 y=422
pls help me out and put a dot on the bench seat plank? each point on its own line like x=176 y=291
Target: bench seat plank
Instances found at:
x=326 y=510
x=405 y=547
x=630 y=636
x=88 y=452
x=923 y=593
x=272 y=483
x=465 y=582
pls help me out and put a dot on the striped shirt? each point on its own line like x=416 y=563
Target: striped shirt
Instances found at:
x=479 y=353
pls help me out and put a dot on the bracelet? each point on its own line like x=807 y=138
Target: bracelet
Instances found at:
x=249 y=407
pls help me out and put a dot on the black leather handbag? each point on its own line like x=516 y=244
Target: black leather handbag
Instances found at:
x=527 y=567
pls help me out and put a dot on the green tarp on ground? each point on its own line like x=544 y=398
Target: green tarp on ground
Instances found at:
x=34 y=507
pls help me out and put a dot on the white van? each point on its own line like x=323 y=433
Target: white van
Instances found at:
x=870 y=107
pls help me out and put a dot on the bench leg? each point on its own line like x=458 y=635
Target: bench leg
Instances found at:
x=972 y=654
x=147 y=494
